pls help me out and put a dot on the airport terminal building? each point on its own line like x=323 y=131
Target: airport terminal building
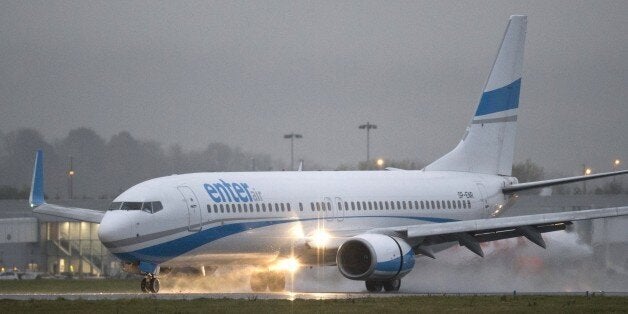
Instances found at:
x=43 y=244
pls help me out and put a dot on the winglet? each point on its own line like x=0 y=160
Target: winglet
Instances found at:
x=37 y=186
x=300 y=165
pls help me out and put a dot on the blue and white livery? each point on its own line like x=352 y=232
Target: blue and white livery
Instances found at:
x=371 y=224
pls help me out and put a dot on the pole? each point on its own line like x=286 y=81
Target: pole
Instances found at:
x=368 y=126
x=292 y=136
x=70 y=183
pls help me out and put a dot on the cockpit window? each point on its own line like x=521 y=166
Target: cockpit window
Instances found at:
x=149 y=207
x=114 y=206
x=131 y=206
x=157 y=207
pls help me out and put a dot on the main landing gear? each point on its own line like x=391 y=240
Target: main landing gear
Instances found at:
x=388 y=285
x=275 y=281
x=150 y=283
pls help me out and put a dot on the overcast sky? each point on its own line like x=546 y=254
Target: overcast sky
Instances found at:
x=246 y=73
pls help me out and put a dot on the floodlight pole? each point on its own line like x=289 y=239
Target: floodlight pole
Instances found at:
x=368 y=126
x=292 y=136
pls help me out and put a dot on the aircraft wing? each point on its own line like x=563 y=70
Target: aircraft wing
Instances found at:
x=471 y=233
x=72 y=213
x=40 y=206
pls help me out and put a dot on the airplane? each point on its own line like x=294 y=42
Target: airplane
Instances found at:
x=372 y=225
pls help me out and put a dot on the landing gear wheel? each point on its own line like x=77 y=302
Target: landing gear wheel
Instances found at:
x=153 y=285
x=392 y=285
x=374 y=286
x=276 y=281
x=258 y=282
x=144 y=285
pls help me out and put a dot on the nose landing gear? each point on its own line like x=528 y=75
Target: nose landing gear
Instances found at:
x=150 y=283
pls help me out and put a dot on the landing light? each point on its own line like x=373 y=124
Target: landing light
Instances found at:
x=320 y=238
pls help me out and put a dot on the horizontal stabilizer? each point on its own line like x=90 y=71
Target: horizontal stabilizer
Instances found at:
x=541 y=184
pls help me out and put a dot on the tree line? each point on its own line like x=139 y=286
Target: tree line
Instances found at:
x=104 y=168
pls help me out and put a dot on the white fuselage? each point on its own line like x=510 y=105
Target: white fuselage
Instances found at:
x=254 y=217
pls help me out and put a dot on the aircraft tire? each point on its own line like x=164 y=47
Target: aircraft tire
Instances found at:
x=392 y=285
x=144 y=285
x=258 y=282
x=373 y=286
x=153 y=285
x=276 y=281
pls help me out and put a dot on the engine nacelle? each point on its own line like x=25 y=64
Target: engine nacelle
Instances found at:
x=374 y=257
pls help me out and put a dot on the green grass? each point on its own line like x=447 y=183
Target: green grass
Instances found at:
x=69 y=285
x=415 y=304
x=422 y=304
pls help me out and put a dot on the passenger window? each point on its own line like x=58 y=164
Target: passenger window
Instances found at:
x=449 y=204
x=453 y=204
x=301 y=206
x=346 y=206
x=359 y=206
x=239 y=208
x=386 y=203
x=277 y=207
x=433 y=205
x=416 y=204
x=381 y=205
x=370 y=206
x=404 y=205
x=398 y=205
x=263 y=207
x=283 y=209
x=352 y=206
x=364 y=205
x=312 y=205
x=468 y=203
x=233 y=208
x=115 y=206
x=288 y=205
x=459 y=204
x=318 y=206
x=437 y=204
x=375 y=206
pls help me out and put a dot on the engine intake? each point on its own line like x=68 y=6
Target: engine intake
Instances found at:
x=374 y=257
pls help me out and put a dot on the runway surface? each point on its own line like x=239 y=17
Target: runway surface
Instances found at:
x=268 y=296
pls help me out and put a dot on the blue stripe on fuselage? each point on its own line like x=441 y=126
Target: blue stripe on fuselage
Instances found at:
x=501 y=99
x=162 y=252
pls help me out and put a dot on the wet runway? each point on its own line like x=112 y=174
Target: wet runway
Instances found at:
x=269 y=296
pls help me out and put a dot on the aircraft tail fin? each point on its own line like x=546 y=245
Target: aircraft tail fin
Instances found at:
x=489 y=141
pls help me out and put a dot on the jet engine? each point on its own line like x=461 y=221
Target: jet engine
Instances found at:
x=374 y=257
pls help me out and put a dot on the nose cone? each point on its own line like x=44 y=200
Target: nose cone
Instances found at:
x=113 y=228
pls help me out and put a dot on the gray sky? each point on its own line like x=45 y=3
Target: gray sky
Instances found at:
x=245 y=73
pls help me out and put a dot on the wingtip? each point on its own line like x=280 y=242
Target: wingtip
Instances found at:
x=36 y=197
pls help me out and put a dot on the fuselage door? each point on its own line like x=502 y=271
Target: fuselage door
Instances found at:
x=329 y=208
x=194 y=209
x=340 y=213
x=483 y=199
